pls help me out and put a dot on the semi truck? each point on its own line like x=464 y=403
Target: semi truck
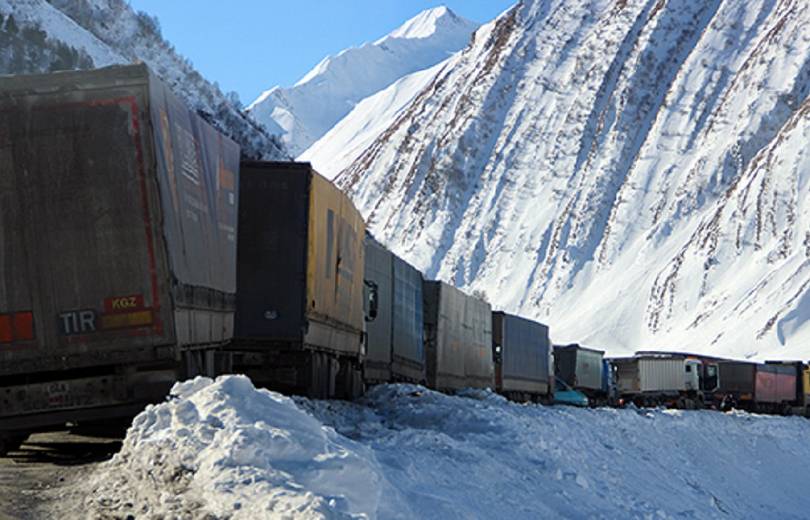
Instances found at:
x=585 y=369
x=771 y=387
x=300 y=316
x=524 y=358
x=458 y=339
x=118 y=210
x=396 y=350
x=670 y=379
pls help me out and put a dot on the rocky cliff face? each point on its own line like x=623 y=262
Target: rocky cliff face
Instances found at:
x=633 y=173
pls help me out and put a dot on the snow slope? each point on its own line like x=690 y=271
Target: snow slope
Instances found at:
x=106 y=32
x=632 y=173
x=328 y=92
x=348 y=139
x=226 y=449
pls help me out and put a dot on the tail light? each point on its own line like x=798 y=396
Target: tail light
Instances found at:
x=18 y=326
x=6 y=330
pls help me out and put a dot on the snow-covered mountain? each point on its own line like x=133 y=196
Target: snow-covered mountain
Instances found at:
x=40 y=35
x=306 y=111
x=344 y=143
x=634 y=173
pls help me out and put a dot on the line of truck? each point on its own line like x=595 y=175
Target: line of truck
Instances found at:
x=137 y=250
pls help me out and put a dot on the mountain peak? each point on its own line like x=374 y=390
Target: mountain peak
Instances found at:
x=327 y=93
x=428 y=22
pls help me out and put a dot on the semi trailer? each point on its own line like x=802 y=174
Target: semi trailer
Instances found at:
x=772 y=387
x=524 y=358
x=458 y=339
x=396 y=350
x=300 y=317
x=118 y=211
x=586 y=370
x=671 y=379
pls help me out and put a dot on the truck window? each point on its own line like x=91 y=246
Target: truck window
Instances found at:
x=710 y=382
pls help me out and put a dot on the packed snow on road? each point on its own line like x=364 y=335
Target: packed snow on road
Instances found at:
x=224 y=448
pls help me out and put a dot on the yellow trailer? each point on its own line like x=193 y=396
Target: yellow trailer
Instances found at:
x=300 y=316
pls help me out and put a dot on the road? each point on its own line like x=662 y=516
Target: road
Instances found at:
x=39 y=481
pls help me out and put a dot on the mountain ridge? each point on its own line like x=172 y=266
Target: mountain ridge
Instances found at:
x=328 y=92
x=609 y=153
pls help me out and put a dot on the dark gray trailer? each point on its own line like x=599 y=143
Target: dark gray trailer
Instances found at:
x=524 y=362
x=458 y=339
x=300 y=317
x=737 y=381
x=118 y=251
x=380 y=272
x=395 y=336
x=580 y=367
x=408 y=346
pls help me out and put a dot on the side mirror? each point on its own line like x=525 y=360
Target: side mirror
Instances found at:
x=373 y=300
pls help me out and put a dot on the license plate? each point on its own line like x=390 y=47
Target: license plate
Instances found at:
x=58 y=393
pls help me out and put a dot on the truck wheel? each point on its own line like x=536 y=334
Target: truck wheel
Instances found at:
x=349 y=381
x=358 y=388
x=320 y=385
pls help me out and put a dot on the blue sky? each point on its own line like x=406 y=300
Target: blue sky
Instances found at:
x=251 y=45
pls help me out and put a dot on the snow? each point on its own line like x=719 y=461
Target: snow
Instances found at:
x=327 y=93
x=423 y=25
x=224 y=448
x=347 y=140
x=633 y=174
x=61 y=28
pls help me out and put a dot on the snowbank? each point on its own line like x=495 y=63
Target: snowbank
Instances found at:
x=225 y=448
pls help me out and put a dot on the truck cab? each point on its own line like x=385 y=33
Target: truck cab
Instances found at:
x=692 y=371
x=702 y=376
x=609 y=382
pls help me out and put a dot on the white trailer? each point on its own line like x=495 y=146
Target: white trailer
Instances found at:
x=656 y=380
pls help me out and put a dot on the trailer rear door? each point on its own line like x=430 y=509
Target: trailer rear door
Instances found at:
x=80 y=255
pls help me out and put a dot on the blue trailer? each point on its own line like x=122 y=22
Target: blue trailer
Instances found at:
x=396 y=351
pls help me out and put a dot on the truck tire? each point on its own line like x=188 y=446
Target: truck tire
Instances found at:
x=349 y=385
x=358 y=386
x=322 y=376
